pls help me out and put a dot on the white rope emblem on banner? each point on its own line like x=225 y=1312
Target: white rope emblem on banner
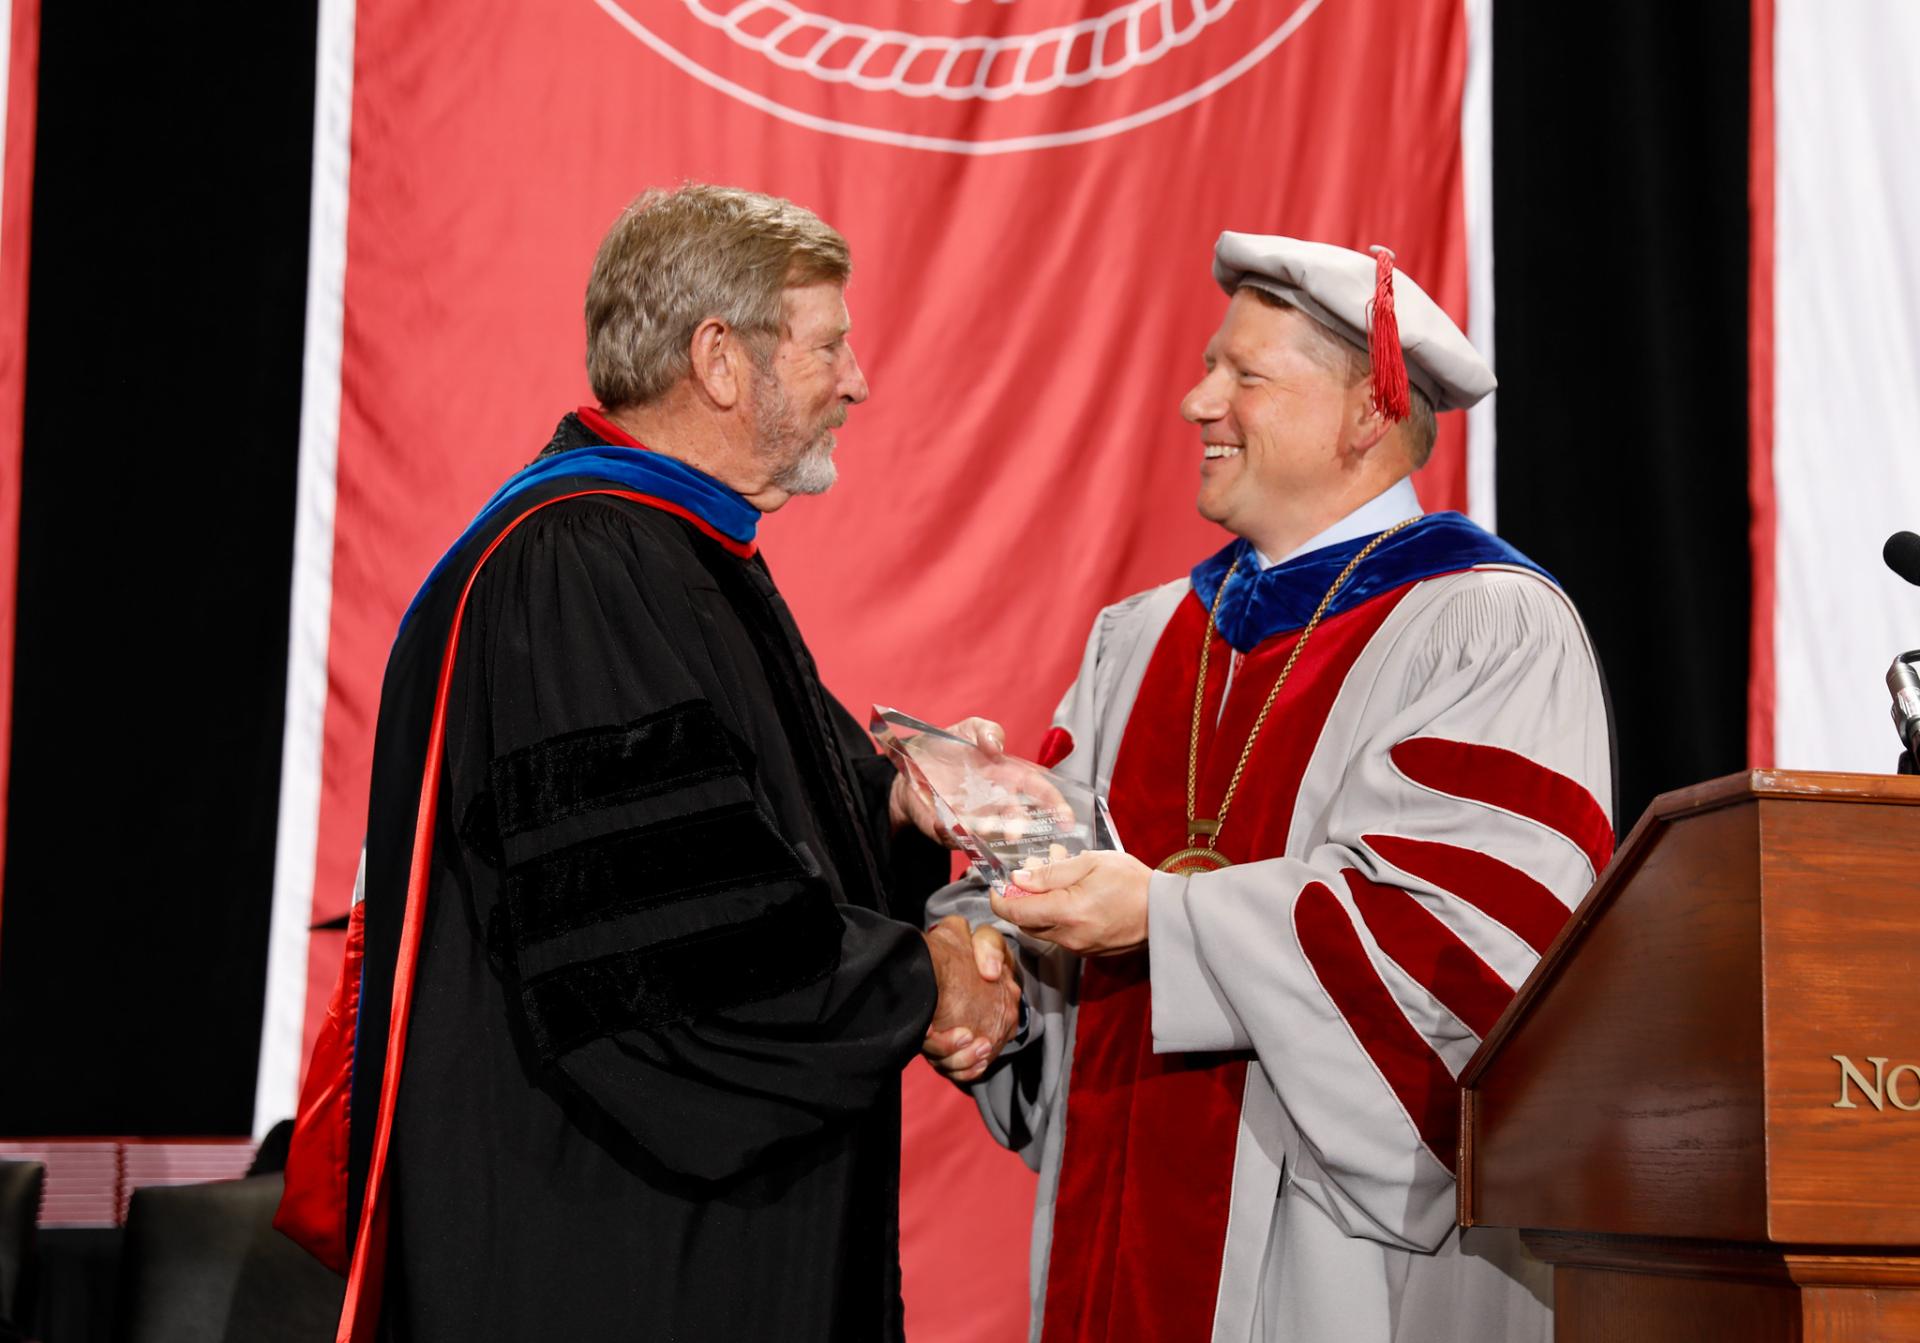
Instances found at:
x=1053 y=59
x=839 y=52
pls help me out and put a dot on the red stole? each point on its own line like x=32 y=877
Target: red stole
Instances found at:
x=1141 y=1218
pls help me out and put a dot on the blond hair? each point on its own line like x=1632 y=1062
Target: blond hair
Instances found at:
x=1342 y=358
x=676 y=258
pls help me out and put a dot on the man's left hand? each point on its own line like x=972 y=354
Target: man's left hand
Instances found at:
x=911 y=804
x=954 y=1051
x=978 y=1009
x=1094 y=904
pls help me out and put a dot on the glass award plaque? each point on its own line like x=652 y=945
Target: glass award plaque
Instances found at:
x=1003 y=812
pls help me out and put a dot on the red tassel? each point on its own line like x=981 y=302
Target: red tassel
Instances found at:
x=1383 y=343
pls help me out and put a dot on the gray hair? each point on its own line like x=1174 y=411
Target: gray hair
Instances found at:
x=1342 y=358
x=676 y=258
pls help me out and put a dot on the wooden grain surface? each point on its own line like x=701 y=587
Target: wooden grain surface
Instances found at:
x=1668 y=1067
x=1657 y=1105
x=1628 y=1099
x=1841 y=938
x=1611 y=1289
x=1859 y=1315
x=1602 y=1306
x=1606 y=1306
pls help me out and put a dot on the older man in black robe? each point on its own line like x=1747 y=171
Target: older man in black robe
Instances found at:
x=667 y=968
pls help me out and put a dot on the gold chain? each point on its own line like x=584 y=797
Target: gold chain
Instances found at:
x=1212 y=828
x=1200 y=696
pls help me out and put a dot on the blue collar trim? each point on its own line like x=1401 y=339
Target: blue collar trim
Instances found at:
x=634 y=469
x=1262 y=603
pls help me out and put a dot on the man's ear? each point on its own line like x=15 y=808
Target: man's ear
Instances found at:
x=1367 y=427
x=717 y=360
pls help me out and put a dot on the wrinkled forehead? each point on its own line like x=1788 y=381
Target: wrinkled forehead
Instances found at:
x=813 y=309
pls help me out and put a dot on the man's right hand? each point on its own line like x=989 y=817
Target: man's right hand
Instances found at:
x=979 y=1006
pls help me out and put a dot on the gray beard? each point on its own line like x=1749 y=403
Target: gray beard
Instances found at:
x=812 y=472
x=803 y=466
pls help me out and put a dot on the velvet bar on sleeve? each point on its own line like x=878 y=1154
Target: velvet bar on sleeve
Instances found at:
x=662 y=1003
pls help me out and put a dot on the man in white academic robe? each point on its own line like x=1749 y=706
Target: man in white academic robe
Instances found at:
x=1366 y=748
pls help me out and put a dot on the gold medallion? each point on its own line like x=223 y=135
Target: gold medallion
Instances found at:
x=1203 y=858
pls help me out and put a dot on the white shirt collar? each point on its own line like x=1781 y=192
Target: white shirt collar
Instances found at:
x=1395 y=503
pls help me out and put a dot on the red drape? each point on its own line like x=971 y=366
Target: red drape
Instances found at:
x=20 y=58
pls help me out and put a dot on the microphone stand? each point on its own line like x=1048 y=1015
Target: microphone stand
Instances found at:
x=1903 y=682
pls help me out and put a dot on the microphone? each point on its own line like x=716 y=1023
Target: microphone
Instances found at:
x=1903 y=680
x=1902 y=554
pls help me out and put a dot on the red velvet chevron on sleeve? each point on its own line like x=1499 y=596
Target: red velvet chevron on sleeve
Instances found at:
x=1418 y=1077
x=1496 y=777
x=1431 y=953
x=1056 y=746
x=1505 y=894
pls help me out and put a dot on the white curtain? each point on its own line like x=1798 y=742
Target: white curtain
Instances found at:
x=1846 y=454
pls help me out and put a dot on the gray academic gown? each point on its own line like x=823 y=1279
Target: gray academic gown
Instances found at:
x=1341 y=1227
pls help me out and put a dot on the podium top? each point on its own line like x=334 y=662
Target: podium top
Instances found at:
x=1900 y=789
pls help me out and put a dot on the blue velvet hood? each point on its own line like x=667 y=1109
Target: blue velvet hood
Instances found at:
x=1262 y=603
x=635 y=469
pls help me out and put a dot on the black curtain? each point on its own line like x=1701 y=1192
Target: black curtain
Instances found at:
x=1620 y=335
x=165 y=298
x=165 y=324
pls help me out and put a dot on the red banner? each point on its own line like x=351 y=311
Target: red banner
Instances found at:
x=1031 y=189
x=19 y=87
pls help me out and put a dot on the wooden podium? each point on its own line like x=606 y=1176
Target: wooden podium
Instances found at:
x=1703 y=1107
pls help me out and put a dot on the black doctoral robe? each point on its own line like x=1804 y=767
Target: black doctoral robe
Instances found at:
x=669 y=972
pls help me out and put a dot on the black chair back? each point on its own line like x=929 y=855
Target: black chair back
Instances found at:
x=203 y=1264
x=20 y=1186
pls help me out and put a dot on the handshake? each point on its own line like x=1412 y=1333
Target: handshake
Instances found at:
x=979 y=984
x=979 y=1006
x=1053 y=866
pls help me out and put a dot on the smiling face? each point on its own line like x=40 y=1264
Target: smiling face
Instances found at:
x=1280 y=417
x=804 y=396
